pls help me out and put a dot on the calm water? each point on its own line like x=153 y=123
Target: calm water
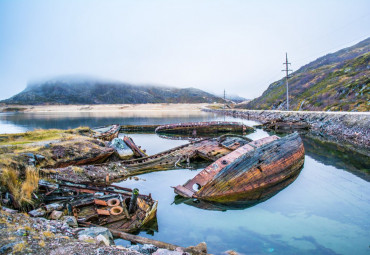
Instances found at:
x=325 y=211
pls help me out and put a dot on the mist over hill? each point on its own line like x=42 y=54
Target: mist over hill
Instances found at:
x=73 y=90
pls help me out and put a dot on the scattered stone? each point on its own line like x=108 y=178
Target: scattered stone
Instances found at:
x=56 y=215
x=8 y=210
x=37 y=212
x=8 y=247
x=70 y=221
x=22 y=232
x=148 y=249
x=54 y=206
x=94 y=232
x=167 y=252
x=231 y=252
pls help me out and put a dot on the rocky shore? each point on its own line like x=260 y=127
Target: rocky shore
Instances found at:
x=21 y=234
x=344 y=128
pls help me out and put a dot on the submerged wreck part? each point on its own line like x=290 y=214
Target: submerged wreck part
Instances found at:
x=284 y=126
x=204 y=128
x=104 y=206
x=146 y=129
x=107 y=133
x=138 y=152
x=209 y=149
x=242 y=174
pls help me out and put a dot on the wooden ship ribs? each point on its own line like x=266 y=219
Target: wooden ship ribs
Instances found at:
x=243 y=173
x=209 y=149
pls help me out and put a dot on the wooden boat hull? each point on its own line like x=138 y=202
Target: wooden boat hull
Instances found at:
x=204 y=128
x=90 y=204
x=107 y=133
x=247 y=171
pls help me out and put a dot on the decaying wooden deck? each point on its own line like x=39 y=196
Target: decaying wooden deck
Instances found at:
x=209 y=149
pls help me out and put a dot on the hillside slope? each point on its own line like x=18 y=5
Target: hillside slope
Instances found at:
x=335 y=82
x=100 y=92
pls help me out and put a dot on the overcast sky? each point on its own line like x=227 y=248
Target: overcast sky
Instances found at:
x=208 y=44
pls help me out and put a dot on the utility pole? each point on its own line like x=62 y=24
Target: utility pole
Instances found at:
x=287 y=70
x=224 y=104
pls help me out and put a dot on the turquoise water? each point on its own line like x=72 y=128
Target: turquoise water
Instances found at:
x=326 y=210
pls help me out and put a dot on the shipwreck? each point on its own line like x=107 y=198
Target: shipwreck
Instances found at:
x=215 y=128
x=110 y=206
x=107 y=133
x=244 y=173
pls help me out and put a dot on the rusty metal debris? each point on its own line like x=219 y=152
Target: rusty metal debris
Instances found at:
x=101 y=205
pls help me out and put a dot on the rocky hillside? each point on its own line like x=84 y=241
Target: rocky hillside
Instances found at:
x=99 y=92
x=335 y=82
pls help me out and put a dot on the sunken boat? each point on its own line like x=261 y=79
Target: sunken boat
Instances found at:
x=242 y=174
x=110 y=206
x=193 y=129
x=286 y=126
x=107 y=133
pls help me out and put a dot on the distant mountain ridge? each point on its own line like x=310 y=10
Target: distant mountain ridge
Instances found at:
x=89 y=91
x=335 y=82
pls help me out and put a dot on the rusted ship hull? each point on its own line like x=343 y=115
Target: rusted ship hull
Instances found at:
x=247 y=171
x=107 y=133
x=204 y=128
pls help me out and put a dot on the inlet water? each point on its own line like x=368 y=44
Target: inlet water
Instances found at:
x=326 y=210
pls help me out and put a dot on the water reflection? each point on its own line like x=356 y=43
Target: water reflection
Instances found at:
x=262 y=195
x=338 y=156
x=326 y=210
x=75 y=119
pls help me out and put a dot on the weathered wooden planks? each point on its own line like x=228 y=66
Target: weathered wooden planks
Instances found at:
x=248 y=170
x=107 y=133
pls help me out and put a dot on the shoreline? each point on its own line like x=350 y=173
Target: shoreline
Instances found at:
x=343 y=128
x=163 y=107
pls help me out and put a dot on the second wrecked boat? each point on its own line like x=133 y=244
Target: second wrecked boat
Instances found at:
x=243 y=173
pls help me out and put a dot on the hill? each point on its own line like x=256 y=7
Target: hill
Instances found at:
x=70 y=91
x=335 y=82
